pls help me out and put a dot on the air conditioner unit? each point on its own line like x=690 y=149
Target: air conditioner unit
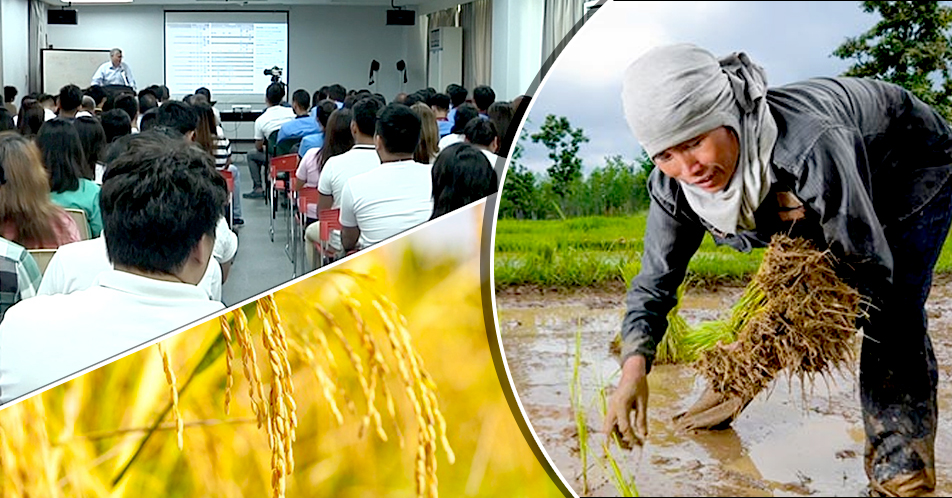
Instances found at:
x=446 y=57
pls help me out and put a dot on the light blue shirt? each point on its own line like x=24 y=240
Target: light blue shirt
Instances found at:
x=300 y=126
x=310 y=142
x=109 y=75
x=446 y=127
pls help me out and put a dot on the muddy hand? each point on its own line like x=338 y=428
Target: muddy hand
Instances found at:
x=631 y=394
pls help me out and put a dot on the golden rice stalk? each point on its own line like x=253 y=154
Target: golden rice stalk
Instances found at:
x=173 y=394
x=249 y=363
x=281 y=407
x=229 y=357
x=27 y=461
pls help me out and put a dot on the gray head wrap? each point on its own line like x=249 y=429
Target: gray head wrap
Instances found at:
x=674 y=93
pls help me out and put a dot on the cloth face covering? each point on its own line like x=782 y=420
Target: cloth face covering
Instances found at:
x=674 y=93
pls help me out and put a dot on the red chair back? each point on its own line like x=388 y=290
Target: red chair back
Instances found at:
x=283 y=164
x=229 y=179
x=329 y=220
x=307 y=196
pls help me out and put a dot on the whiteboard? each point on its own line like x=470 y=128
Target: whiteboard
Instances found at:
x=60 y=67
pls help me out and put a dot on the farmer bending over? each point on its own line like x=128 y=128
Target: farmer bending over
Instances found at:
x=857 y=166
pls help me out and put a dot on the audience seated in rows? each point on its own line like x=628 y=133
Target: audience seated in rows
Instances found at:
x=461 y=175
x=461 y=118
x=394 y=197
x=71 y=180
x=27 y=215
x=160 y=204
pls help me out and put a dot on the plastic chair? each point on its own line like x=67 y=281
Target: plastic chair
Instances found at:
x=306 y=196
x=42 y=257
x=79 y=216
x=282 y=164
x=329 y=219
x=230 y=181
x=286 y=146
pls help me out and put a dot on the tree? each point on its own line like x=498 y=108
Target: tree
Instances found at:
x=519 y=191
x=563 y=143
x=908 y=47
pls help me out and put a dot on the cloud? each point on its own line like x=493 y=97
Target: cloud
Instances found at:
x=791 y=40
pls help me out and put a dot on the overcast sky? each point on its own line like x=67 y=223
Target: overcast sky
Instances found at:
x=790 y=40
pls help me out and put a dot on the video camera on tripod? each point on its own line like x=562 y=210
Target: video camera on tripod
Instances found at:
x=275 y=74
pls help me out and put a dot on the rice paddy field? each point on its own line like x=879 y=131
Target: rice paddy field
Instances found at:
x=352 y=383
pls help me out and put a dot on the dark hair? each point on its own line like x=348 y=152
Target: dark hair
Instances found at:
x=501 y=114
x=413 y=98
x=97 y=93
x=337 y=92
x=115 y=123
x=349 y=101
x=63 y=155
x=45 y=97
x=129 y=104
x=165 y=93
x=440 y=101
x=324 y=110
x=206 y=92
x=92 y=136
x=464 y=113
x=381 y=98
x=206 y=132
x=31 y=117
x=365 y=115
x=399 y=129
x=148 y=119
x=147 y=101
x=154 y=90
x=461 y=175
x=483 y=97
x=457 y=94
x=319 y=95
x=337 y=136
x=6 y=120
x=158 y=199
x=301 y=98
x=70 y=97
x=9 y=93
x=275 y=93
x=178 y=116
x=480 y=132
x=187 y=99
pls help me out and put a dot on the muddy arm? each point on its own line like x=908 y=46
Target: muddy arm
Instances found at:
x=669 y=244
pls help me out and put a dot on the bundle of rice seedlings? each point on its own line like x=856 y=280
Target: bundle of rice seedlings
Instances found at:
x=805 y=321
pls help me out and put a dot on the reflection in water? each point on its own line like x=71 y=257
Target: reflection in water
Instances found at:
x=784 y=444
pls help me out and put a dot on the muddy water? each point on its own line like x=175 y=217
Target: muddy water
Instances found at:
x=783 y=444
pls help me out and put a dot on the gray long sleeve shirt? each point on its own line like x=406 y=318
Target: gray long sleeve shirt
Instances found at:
x=859 y=154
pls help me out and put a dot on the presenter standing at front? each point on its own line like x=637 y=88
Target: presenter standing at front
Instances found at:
x=114 y=72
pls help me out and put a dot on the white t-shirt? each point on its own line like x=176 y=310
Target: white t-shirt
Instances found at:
x=395 y=197
x=497 y=162
x=46 y=338
x=226 y=242
x=450 y=139
x=76 y=266
x=271 y=120
x=360 y=159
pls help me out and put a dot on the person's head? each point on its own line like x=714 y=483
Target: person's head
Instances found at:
x=440 y=103
x=165 y=93
x=319 y=95
x=413 y=98
x=115 y=123
x=401 y=98
x=323 y=112
x=160 y=204
x=6 y=120
x=48 y=101
x=70 y=98
x=301 y=101
x=129 y=104
x=457 y=94
x=274 y=95
x=428 y=147
x=680 y=105
x=30 y=117
x=98 y=94
x=179 y=116
x=147 y=101
x=154 y=90
x=464 y=114
x=461 y=175
x=199 y=99
x=115 y=55
x=187 y=99
x=337 y=135
x=206 y=131
x=92 y=136
x=25 y=192
x=482 y=133
x=63 y=155
x=364 y=124
x=398 y=131
x=89 y=104
x=147 y=121
x=483 y=97
x=337 y=92
x=9 y=94
x=501 y=114
x=381 y=98
x=205 y=92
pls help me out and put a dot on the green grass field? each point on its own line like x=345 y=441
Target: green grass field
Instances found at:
x=602 y=251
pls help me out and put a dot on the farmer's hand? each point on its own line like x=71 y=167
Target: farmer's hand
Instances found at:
x=631 y=393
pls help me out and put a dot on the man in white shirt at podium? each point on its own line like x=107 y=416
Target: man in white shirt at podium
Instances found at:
x=114 y=72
